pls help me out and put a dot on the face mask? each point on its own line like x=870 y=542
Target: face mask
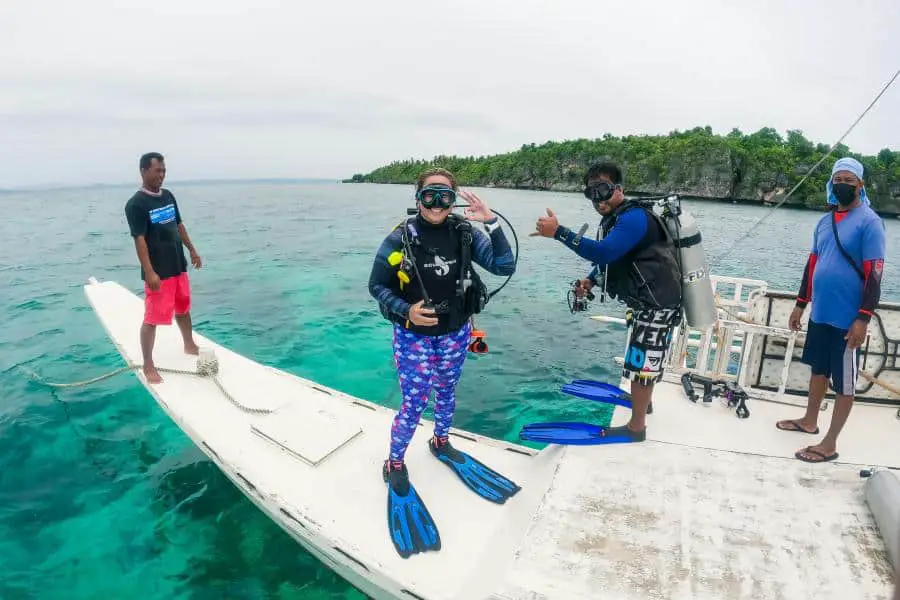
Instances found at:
x=844 y=192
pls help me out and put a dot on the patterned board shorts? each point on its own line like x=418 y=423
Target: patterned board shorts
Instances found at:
x=650 y=334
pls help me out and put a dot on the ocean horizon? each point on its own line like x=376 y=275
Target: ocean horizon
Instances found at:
x=171 y=183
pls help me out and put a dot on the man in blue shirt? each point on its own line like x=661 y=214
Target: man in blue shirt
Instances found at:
x=641 y=271
x=842 y=279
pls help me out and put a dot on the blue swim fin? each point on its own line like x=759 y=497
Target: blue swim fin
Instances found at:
x=481 y=479
x=411 y=527
x=579 y=434
x=598 y=391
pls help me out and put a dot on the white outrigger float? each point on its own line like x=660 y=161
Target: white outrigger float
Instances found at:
x=711 y=506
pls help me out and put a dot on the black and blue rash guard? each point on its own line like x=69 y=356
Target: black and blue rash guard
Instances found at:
x=437 y=258
x=642 y=268
x=632 y=228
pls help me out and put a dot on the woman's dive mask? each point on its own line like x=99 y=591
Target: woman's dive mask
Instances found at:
x=439 y=196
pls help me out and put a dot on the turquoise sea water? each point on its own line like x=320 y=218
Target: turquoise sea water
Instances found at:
x=101 y=496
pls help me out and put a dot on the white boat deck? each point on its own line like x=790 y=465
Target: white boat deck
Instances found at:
x=870 y=438
x=711 y=507
x=736 y=517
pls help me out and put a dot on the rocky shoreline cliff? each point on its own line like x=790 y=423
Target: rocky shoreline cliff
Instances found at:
x=755 y=168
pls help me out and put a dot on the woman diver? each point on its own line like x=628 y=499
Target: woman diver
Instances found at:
x=424 y=283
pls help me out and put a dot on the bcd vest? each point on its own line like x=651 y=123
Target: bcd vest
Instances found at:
x=437 y=262
x=648 y=275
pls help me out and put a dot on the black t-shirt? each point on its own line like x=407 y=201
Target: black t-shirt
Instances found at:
x=157 y=219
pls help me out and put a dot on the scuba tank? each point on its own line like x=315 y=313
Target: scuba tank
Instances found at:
x=697 y=296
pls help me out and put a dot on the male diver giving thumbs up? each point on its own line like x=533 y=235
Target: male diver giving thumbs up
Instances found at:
x=641 y=270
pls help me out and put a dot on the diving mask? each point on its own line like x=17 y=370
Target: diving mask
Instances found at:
x=599 y=191
x=440 y=196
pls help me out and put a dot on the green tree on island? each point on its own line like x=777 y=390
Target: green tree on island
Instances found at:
x=756 y=167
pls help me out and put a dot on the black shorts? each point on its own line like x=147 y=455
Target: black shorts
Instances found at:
x=826 y=352
x=649 y=337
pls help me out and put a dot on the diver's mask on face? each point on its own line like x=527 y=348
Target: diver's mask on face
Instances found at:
x=436 y=196
x=600 y=191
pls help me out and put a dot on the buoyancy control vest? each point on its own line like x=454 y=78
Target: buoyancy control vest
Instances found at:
x=648 y=275
x=434 y=264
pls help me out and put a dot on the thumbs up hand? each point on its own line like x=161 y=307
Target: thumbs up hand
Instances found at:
x=546 y=226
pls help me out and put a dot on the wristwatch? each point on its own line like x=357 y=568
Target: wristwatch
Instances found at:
x=492 y=226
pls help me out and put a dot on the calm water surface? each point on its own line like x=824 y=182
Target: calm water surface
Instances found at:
x=101 y=496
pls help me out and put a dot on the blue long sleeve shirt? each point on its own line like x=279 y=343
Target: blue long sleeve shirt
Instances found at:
x=629 y=230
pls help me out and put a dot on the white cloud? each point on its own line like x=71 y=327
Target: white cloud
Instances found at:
x=269 y=88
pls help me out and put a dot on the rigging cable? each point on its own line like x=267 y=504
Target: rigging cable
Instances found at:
x=805 y=177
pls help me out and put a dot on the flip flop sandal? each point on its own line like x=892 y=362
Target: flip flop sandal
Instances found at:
x=796 y=427
x=809 y=450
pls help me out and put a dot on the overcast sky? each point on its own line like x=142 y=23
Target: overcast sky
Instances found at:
x=269 y=88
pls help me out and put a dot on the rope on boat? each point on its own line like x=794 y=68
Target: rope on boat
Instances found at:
x=872 y=379
x=208 y=369
x=78 y=384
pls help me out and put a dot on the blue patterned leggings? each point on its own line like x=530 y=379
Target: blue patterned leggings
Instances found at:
x=425 y=363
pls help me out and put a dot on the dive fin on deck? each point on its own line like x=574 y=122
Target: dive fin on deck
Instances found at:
x=598 y=391
x=578 y=434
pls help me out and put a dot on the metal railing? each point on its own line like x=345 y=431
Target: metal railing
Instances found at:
x=741 y=348
x=723 y=350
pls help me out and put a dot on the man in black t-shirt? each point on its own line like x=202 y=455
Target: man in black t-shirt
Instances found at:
x=159 y=238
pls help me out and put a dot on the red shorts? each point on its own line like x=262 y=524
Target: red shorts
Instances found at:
x=172 y=297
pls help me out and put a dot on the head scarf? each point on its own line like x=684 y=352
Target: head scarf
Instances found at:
x=846 y=164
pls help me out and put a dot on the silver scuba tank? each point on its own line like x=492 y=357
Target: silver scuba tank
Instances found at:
x=697 y=296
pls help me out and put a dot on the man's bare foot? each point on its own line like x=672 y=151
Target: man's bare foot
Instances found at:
x=152 y=374
x=191 y=348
